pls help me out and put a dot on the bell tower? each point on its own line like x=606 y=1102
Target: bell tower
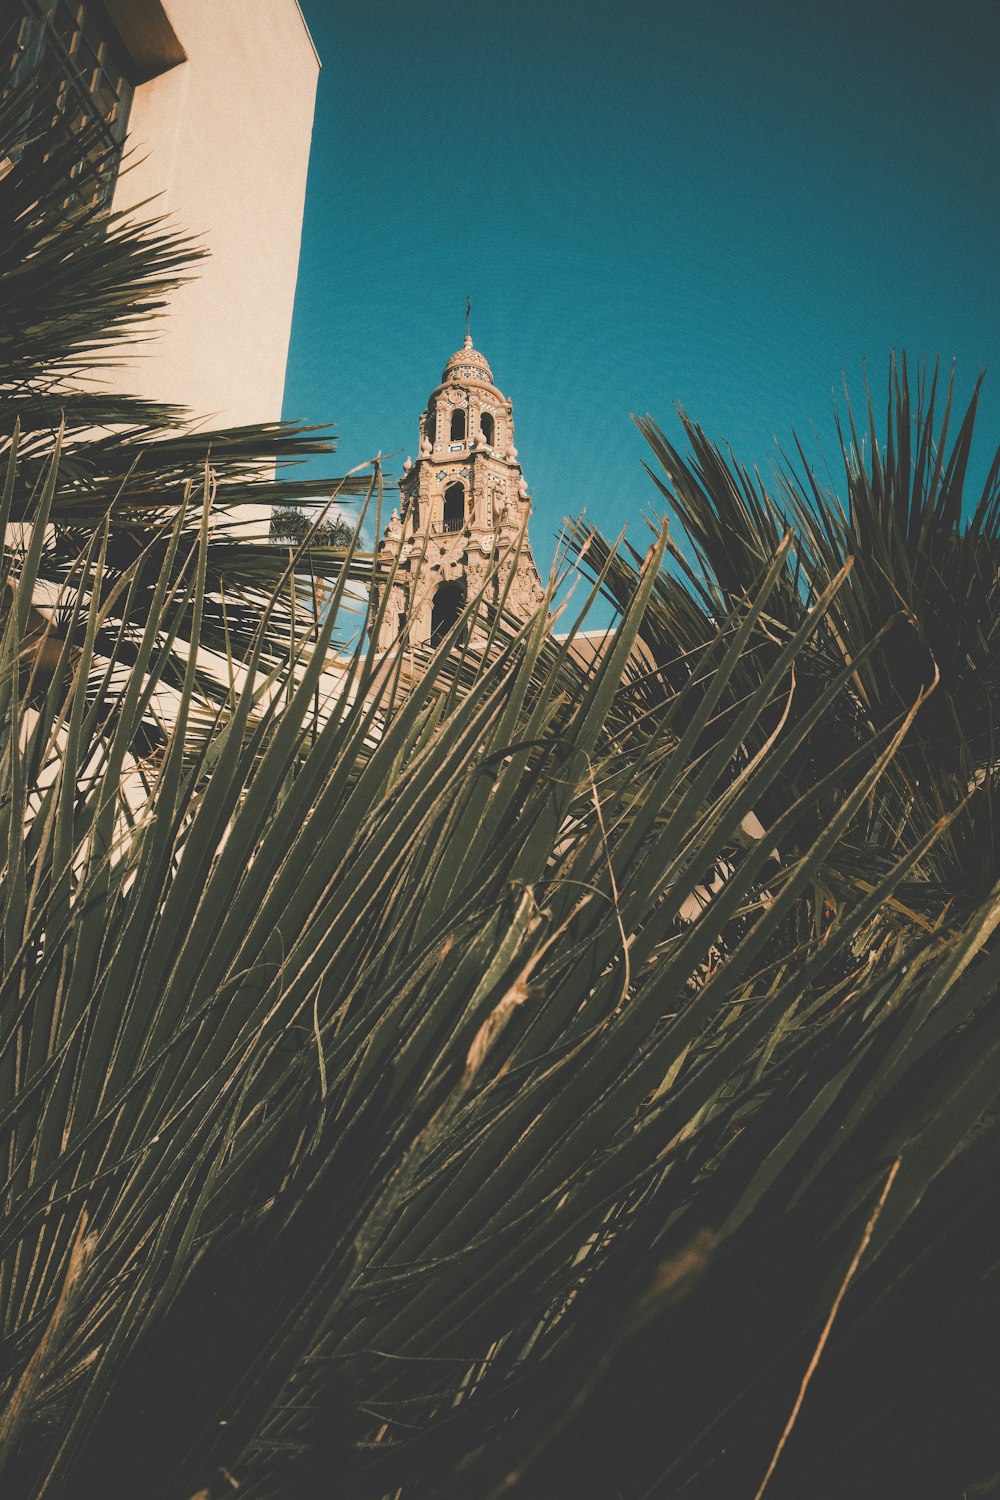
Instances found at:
x=462 y=504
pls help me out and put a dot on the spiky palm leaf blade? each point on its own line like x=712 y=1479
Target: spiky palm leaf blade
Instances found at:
x=924 y=574
x=386 y=1077
x=77 y=286
x=361 y=1086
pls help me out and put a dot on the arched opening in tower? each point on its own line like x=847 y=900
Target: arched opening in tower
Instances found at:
x=486 y=424
x=458 y=425
x=449 y=601
x=454 y=507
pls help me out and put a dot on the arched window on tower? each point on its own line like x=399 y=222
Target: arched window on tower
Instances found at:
x=458 y=425
x=430 y=428
x=486 y=424
x=454 y=507
x=449 y=601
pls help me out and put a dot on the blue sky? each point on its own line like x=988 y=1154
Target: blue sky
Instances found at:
x=728 y=204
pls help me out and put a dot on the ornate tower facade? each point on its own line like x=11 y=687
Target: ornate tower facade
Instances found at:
x=462 y=506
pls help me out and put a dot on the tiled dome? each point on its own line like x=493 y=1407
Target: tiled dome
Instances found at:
x=468 y=364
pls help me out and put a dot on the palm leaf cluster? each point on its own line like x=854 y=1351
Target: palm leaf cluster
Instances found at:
x=372 y=1113
x=290 y=525
x=78 y=287
x=534 y=1074
x=924 y=560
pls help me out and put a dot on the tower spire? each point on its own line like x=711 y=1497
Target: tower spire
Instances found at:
x=463 y=506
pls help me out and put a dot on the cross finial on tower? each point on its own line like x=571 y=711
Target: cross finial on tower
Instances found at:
x=468 y=316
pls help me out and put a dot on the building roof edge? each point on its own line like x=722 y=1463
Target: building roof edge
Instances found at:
x=309 y=35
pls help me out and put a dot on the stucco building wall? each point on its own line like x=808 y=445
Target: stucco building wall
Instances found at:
x=220 y=143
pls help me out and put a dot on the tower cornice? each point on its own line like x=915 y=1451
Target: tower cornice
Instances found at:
x=468 y=385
